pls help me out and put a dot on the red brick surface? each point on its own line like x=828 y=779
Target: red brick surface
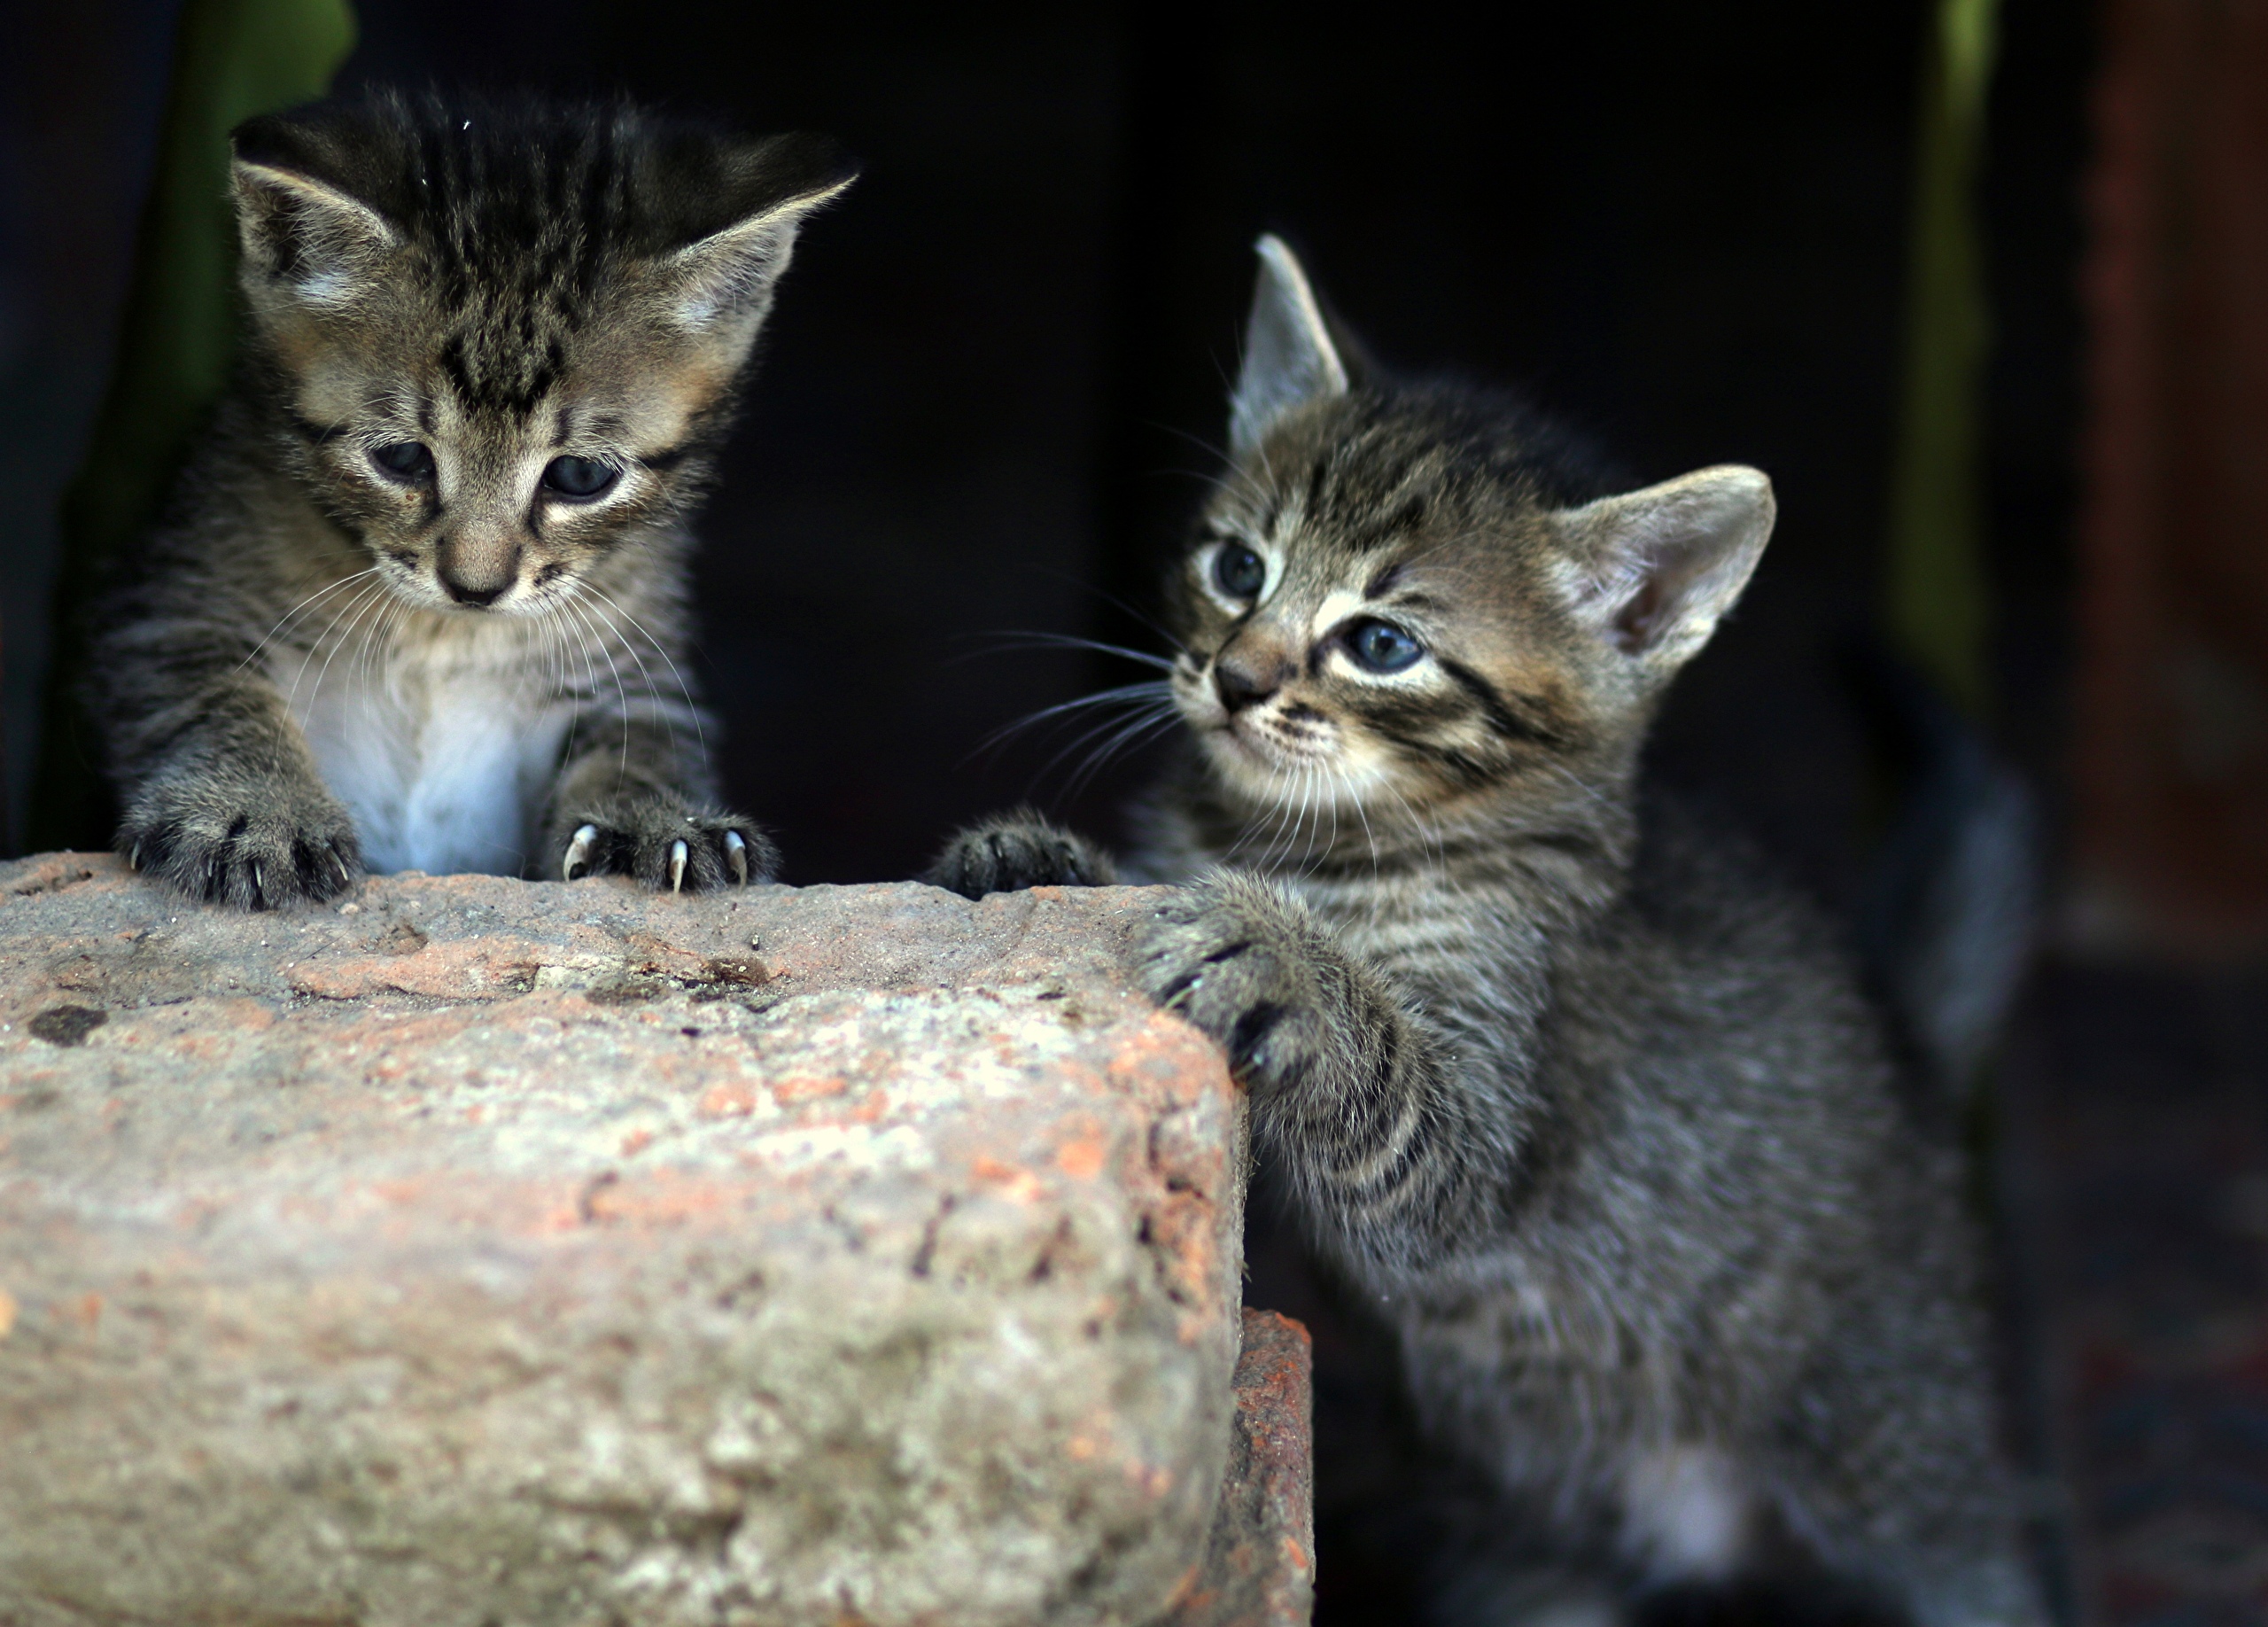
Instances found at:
x=532 y=1253
x=1258 y=1568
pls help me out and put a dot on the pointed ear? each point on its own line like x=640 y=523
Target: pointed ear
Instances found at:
x=1289 y=359
x=721 y=285
x=1655 y=569
x=305 y=238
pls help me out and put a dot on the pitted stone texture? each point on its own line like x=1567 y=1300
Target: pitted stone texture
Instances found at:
x=1258 y=1568
x=497 y=1252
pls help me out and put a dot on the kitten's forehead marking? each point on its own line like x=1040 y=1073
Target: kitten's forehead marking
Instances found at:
x=1337 y=606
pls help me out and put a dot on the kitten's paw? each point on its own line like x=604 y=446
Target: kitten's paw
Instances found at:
x=664 y=843
x=1235 y=958
x=251 y=844
x=1011 y=851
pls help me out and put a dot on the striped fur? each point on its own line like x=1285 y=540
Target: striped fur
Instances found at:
x=419 y=598
x=1563 y=1084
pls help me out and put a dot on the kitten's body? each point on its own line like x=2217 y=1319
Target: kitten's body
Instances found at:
x=1713 y=1218
x=1568 y=1092
x=418 y=599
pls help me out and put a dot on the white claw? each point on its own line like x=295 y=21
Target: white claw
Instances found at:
x=736 y=851
x=678 y=855
x=579 y=851
x=133 y=859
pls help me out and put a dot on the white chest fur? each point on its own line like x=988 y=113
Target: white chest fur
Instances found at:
x=441 y=743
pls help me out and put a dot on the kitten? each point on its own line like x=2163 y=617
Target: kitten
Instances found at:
x=421 y=595
x=1562 y=1085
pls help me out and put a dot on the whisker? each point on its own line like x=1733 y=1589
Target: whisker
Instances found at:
x=693 y=707
x=304 y=605
x=1067 y=641
x=1113 y=600
x=591 y=626
x=1151 y=693
x=1130 y=736
x=363 y=601
x=1081 y=739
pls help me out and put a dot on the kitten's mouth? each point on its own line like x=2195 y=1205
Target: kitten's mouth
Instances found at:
x=1285 y=738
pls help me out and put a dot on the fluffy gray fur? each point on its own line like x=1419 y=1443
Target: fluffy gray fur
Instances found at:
x=1566 y=1088
x=421 y=597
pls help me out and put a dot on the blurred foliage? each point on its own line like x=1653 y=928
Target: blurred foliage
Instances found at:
x=232 y=59
x=1938 y=604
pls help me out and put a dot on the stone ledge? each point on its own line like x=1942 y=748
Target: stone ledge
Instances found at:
x=485 y=1251
x=1259 y=1567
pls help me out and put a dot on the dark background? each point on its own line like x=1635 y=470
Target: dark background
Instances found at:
x=998 y=367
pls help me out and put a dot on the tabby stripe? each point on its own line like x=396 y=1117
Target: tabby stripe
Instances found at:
x=1502 y=718
x=314 y=434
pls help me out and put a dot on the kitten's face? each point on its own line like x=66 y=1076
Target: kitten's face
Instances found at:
x=1358 y=630
x=497 y=488
x=503 y=345
x=1405 y=598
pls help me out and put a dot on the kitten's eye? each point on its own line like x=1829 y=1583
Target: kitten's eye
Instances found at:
x=1240 y=572
x=579 y=477
x=404 y=460
x=1382 y=646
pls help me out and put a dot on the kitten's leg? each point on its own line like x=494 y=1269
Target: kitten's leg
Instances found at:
x=1395 y=1161
x=628 y=804
x=223 y=799
x=1973 y=1590
x=1011 y=851
x=1886 y=1463
x=1544 y=1596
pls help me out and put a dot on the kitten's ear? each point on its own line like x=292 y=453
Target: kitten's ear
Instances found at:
x=721 y=284
x=1655 y=569
x=1289 y=356
x=302 y=236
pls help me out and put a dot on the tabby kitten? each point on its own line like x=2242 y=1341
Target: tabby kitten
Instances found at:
x=421 y=591
x=1560 y=1084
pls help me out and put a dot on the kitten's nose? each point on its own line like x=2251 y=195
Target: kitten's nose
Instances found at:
x=463 y=595
x=1239 y=685
x=476 y=570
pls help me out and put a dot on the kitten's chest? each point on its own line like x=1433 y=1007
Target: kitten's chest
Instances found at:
x=1395 y=925
x=442 y=750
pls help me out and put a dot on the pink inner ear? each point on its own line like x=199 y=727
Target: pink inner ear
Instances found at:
x=1637 y=621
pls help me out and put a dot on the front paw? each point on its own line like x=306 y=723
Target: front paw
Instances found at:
x=664 y=843
x=1238 y=961
x=249 y=843
x=1015 y=851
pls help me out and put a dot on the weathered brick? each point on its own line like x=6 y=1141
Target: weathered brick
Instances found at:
x=489 y=1251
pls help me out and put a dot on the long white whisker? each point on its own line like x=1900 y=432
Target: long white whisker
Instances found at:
x=1081 y=739
x=343 y=630
x=693 y=707
x=1129 y=735
x=303 y=605
x=1146 y=694
x=614 y=670
x=1069 y=641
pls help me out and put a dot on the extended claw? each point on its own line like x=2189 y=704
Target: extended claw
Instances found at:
x=679 y=854
x=737 y=852
x=579 y=851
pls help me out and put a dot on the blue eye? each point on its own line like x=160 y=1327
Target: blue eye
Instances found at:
x=578 y=478
x=1238 y=572
x=1382 y=646
x=404 y=460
